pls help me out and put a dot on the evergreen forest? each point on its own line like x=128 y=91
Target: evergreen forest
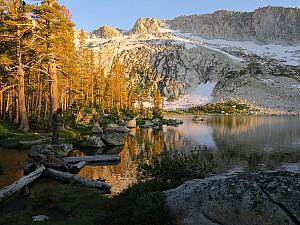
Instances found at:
x=41 y=69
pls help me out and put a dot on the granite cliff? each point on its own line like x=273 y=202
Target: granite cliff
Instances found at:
x=224 y=48
x=268 y=25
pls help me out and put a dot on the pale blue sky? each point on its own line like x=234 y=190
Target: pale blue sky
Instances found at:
x=89 y=14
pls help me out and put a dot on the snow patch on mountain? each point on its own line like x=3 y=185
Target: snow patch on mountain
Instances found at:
x=199 y=96
x=288 y=55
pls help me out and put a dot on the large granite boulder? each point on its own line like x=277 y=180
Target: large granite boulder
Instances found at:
x=93 y=142
x=96 y=129
x=60 y=149
x=113 y=139
x=118 y=129
x=263 y=198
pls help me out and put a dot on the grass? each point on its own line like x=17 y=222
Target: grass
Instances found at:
x=10 y=135
x=140 y=204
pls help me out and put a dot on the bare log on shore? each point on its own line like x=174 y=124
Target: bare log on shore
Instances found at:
x=74 y=169
x=38 y=141
x=22 y=182
x=71 y=178
x=104 y=159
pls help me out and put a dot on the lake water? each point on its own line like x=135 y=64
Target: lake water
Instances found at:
x=238 y=143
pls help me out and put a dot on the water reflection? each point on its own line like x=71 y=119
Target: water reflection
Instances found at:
x=238 y=143
x=140 y=144
x=12 y=161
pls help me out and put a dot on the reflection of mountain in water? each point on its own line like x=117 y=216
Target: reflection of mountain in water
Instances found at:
x=237 y=143
x=188 y=134
x=256 y=142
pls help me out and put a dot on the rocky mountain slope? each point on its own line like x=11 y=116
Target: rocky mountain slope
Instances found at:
x=243 y=56
x=268 y=25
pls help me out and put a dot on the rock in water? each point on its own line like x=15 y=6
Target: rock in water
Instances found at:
x=60 y=149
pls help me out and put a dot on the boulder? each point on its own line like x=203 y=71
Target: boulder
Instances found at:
x=60 y=149
x=257 y=198
x=93 y=142
x=96 y=129
x=113 y=139
x=40 y=218
x=131 y=123
x=118 y=129
x=148 y=123
x=156 y=120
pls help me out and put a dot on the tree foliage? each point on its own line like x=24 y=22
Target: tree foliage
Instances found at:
x=41 y=69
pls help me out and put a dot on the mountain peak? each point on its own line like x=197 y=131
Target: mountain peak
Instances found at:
x=147 y=26
x=106 y=32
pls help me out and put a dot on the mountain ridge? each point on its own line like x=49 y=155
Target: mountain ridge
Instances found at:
x=182 y=61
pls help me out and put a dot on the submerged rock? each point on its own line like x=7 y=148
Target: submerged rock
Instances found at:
x=257 y=198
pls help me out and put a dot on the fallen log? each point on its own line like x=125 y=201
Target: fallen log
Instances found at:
x=74 y=169
x=21 y=183
x=38 y=141
x=94 y=159
x=71 y=178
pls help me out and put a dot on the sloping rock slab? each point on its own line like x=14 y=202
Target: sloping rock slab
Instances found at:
x=117 y=129
x=61 y=149
x=93 y=142
x=113 y=139
x=263 y=198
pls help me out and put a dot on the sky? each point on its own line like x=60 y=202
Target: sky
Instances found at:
x=90 y=14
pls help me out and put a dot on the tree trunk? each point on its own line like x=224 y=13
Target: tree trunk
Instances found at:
x=74 y=179
x=105 y=159
x=74 y=169
x=34 y=142
x=21 y=99
x=53 y=88
x=21 y=87
x=22 y=182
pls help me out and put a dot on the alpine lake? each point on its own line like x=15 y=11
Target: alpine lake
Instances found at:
x=237 y=143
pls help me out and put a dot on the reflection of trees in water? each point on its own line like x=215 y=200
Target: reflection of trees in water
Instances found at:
x=143 y=144
x=12 y=162
x=249 y=143
x=255 y=142
x=177 y=142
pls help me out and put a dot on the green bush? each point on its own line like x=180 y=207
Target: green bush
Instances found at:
x=230 y=107
x=150 y=209
x=173 y=168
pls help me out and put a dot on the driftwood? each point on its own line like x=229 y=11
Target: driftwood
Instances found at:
x=38 y=141
x=71 y=178
x=104 y=159
x=74 y=169
x=21 y=183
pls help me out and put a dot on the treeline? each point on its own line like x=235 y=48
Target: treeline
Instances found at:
x=41 y=69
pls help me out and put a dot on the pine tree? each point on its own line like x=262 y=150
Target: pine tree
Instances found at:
x=56 y=47
x=16 y=36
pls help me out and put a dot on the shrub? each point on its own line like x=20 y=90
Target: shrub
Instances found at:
x=150 y=209
x=176 y=168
